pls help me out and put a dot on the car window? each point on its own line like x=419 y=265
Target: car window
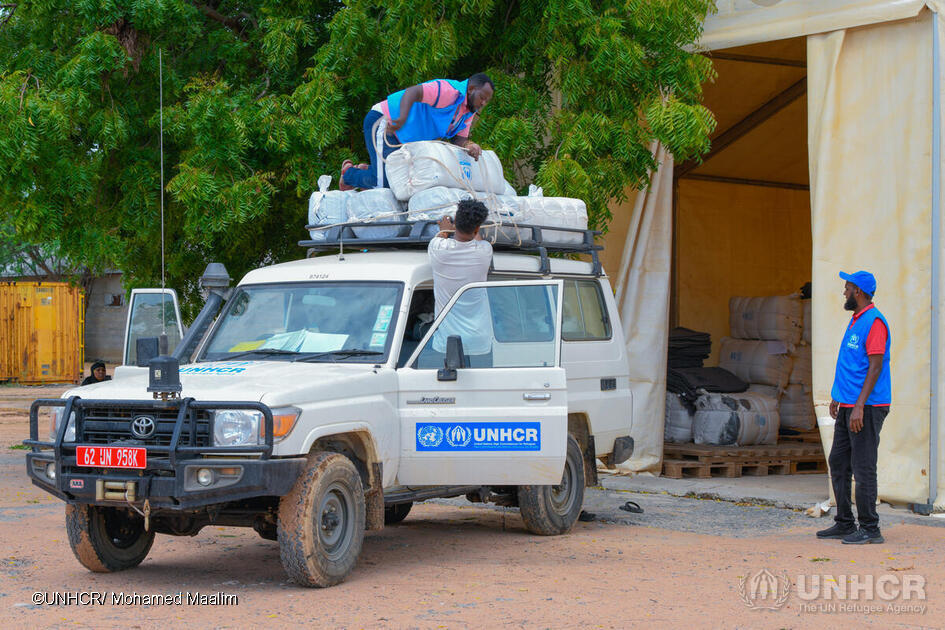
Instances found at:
x=584 y=316
x=502 y=326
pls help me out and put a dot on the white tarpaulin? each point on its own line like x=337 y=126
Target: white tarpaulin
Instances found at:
x=743 y=22
x=870 y=133
x=642 y=292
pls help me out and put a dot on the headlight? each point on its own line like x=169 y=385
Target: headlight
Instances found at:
x=55 y=420
x=236 y=427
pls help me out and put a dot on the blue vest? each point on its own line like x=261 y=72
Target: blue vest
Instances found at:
x=426 y=122
x=853 y=364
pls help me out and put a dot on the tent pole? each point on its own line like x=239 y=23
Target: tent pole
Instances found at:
x=936 y=256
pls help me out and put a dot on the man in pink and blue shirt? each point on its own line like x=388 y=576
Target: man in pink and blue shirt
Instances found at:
x=436 y=109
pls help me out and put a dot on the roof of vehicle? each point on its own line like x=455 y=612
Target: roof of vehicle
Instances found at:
x=409 y=266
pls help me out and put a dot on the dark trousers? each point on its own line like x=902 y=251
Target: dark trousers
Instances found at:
x=855 y=454
x=368 y=179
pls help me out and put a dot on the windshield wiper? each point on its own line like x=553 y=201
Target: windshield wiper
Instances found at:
x=349 y=352
x=263 y=351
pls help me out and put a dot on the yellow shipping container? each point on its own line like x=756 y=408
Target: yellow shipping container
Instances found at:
x=42 y=332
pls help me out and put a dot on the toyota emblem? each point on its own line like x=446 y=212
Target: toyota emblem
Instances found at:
x=143 y=426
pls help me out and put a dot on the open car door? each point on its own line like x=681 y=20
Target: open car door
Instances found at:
x=151 y=312
x=501 y=418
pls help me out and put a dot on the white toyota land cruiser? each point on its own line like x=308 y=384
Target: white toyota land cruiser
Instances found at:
x=324 y=399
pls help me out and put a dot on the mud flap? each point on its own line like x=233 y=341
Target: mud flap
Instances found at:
x=623 y=449
x=374 y=500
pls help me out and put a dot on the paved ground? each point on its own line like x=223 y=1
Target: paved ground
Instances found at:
x=683 y=562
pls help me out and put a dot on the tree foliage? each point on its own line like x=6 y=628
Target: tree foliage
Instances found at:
x=263 y=96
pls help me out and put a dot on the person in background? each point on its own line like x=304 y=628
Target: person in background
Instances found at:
x=456 y=262
x=441 y=108
x=860 y=399
x=97 y=374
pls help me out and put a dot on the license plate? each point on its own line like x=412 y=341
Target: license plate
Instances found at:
x=111 y=457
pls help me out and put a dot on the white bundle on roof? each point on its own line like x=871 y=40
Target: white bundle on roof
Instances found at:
x=417 y=166
x=439 y=201
x=376 y=204
x=554 y=212
x=776 y=317
x=327 y=207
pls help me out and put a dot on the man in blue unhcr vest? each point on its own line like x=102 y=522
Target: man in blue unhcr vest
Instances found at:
x=862 y=392
x=436 y=109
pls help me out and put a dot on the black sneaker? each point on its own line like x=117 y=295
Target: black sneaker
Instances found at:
x=837 y=531
x=863 y=537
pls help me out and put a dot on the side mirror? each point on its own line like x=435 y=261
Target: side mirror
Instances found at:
x=146 y=348
x=453 y=360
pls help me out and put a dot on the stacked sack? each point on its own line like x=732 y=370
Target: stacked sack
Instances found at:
x=797 y=401
x=736 y=419
x=427 y=180
x=765 y=331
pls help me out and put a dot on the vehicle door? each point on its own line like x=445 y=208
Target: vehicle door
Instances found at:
x=150 y=313
x=503 y=418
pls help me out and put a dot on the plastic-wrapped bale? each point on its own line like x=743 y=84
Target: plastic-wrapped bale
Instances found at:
x=376 y=204
x=801 y=366
x=418 y=166
x=555 y=212
x=327 y=207
x=806 y=332
x=678 y=427
x=736 y=419
x=777 y=318
x=797 y=408
x=435 y=203
x=768 y=391
x=762 y=362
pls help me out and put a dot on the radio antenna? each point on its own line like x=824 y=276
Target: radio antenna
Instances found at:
x=163 y=339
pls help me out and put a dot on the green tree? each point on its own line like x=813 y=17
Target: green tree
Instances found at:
x=261 y=97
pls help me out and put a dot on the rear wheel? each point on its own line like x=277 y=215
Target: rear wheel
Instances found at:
x=321 y=522
x=106 y=539
x=552 y=510
x=394 y=514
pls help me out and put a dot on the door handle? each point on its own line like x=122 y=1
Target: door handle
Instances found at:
x=541 y=396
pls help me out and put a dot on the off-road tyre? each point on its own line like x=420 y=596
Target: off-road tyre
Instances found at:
x=321 y=522
x=107 y=539
x=394 y=514
x=553 y=510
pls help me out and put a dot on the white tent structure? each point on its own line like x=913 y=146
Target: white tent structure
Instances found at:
x=827 y=157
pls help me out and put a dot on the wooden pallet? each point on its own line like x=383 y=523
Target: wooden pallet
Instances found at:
x=703 y=462
x=810 y=437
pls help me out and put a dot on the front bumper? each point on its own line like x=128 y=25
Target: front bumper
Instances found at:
x=170 y=480
x=176 y=490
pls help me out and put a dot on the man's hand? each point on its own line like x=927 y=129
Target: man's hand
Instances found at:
x=473 y=149
x=394 y=125
x=446 y=226
x=856 y=418
x=834 y=409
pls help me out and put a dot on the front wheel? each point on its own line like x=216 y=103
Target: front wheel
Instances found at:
x=553 y=510
x=321 y=522
x=107 y=539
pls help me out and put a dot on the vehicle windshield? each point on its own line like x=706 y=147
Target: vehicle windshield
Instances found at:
x=320 y=321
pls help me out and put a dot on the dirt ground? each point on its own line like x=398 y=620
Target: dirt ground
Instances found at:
x=451 y=564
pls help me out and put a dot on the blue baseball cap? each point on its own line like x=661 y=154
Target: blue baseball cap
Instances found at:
x=863 y=279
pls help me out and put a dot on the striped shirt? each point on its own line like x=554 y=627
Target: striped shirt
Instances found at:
x=438 y=93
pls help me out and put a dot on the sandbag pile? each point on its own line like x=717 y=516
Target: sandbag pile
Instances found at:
x=678 y=423
x=427 y=180
x=742 y=419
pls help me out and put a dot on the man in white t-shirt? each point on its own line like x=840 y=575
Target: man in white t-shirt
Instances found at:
x=456 y=262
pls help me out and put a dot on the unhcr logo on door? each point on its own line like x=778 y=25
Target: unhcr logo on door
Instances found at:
x=478 y=436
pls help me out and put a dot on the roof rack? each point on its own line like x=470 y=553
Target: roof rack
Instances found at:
x=417 y=235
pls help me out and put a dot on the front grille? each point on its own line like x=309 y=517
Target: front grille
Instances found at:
x=104 y=425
